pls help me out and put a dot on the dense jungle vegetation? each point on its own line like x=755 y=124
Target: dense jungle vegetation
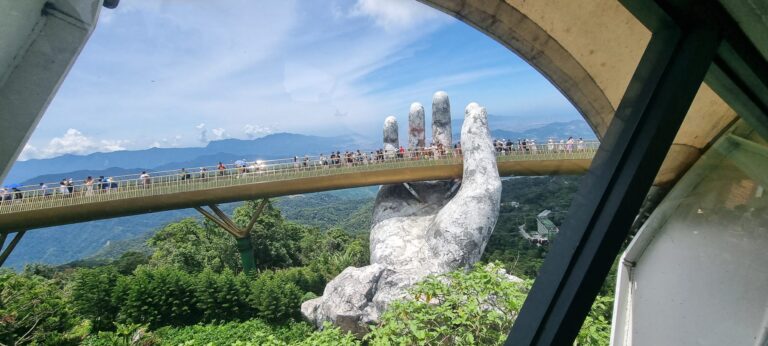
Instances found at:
x=189 y=287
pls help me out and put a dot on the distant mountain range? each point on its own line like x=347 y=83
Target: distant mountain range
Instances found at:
x=576 y=129
x=512 y=128
x=67 y=243
x=273 y=146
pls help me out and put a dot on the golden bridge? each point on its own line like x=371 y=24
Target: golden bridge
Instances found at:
x=31 y=207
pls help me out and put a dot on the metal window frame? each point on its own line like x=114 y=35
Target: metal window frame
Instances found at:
x=692 y=42
x=654 y=105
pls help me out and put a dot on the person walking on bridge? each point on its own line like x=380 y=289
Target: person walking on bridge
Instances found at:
x=145 y=179
x=89 y=186
x=43 y=189
x=221 y=168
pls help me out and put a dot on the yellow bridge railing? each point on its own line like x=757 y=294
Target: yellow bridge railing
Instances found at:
x=29 y=198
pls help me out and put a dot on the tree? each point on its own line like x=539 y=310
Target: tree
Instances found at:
x=33 y=310
x=192 y=247
x=92 y=296
x=128 y=261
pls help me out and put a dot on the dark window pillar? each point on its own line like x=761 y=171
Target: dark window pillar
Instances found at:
x=639 y=137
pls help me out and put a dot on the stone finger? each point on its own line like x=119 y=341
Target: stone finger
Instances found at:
x=391 y=141
x=416 y=135
x=441 y=119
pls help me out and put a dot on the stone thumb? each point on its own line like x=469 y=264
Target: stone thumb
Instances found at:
x=460 y=231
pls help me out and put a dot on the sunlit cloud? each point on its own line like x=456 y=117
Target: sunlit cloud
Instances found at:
x=255 y=131
x=394 y=14
x=219 y=134
x=72 y=142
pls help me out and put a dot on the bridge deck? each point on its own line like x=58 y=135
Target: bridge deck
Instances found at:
x=167 y=192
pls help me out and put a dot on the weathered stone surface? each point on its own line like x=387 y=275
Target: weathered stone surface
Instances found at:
x=391 y=140
x=416 y=134
x=439 y=227
x=441 y=120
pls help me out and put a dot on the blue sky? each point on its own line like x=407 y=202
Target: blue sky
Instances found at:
x=183 y=72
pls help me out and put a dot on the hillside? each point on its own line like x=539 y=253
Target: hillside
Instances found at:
x=109 y=238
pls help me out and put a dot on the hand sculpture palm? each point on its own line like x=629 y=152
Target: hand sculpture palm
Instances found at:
x=433 y=229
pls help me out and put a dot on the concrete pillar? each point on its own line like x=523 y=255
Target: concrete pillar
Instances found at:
x=44 y=37
x=441 y=119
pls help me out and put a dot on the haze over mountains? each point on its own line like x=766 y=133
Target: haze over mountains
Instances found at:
x=61 y=244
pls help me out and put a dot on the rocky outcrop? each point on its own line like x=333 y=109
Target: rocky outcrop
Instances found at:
x=419 y=229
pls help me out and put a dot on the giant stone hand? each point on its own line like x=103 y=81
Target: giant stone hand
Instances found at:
x=419 y=228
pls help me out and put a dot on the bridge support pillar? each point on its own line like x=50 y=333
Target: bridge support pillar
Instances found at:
x=12 y=245
x=245 y=248
x=242 y=235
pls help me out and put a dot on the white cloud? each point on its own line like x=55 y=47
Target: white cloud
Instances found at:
x=195 y=67
x=203 y=133
x=113 y=145
x=393 y=14
x=255 y=131
x=72 y=142
x=219 y=133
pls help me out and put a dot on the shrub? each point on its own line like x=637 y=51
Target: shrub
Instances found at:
x=222 y=297
x=274 y=299
x=157 y=297
x=253 y=331
x=459 y=308
x=305 y=278
x=596 y=329
x=331 y=336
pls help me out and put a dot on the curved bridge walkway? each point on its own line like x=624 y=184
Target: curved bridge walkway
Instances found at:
x=30 y=207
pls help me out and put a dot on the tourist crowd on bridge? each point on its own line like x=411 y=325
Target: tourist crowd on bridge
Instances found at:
x=507 y=146
x=90 y=185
